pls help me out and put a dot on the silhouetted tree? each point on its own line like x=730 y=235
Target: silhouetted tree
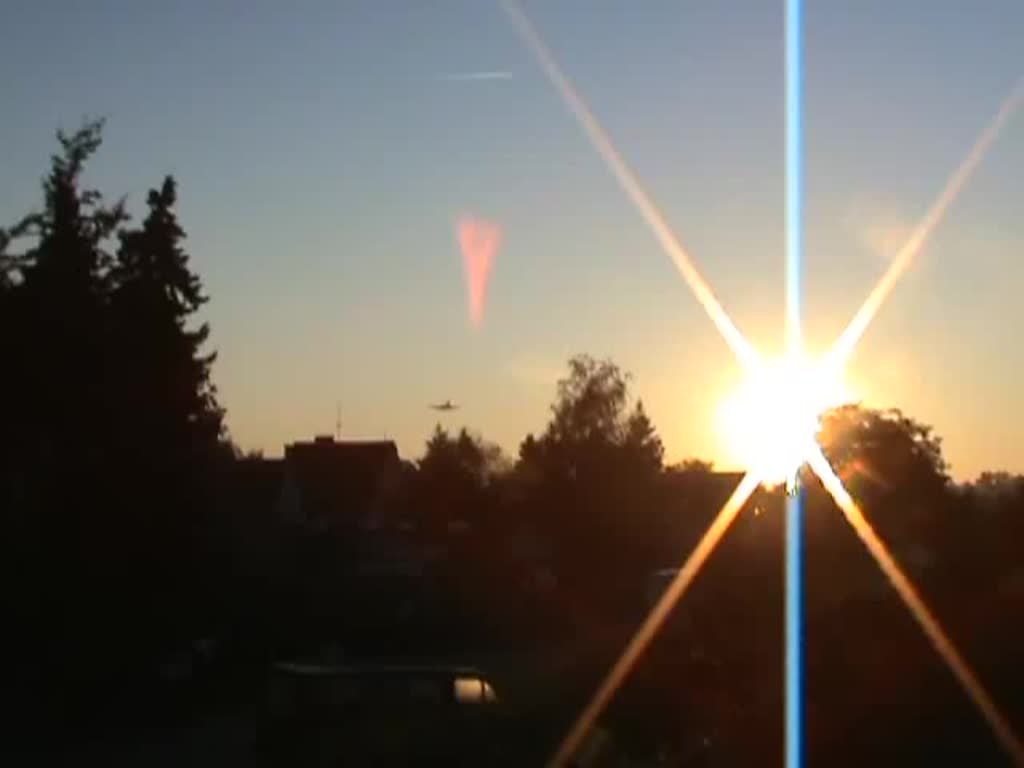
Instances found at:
x=55 y=306
x=590 y=403
x=984 y=539
x=640 y=441
x=162 y=367
x=999 y=486
x=58 y=307
x=956 y=547
x=692 y=465
x=593 y=478
x=893 y=465
x=170 y=430
x=107 y=456
x=464 y=458
x=455 y=498
x=60 y=301
x=992 y=520
x=590 y=425
x=449 y=486
x=453 y=485
x=882 y=448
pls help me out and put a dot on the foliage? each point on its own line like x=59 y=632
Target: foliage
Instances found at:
x=591 y=485
x=883 y=448
x=68 y=258
x=118 y=430
x=999 y=486
x=161 y=368
x=464 y=456
x=591 y=429
x=61 y=286
x=114 y=440
x=590 y=403
x=693 y=465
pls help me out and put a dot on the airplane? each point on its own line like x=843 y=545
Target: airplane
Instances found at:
x=447 y=405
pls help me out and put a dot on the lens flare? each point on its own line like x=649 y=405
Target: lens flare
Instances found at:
x=655 y=619
x=793 y=657
x=847 y=341
x=932 y=629
x=772 y=420
x=631 y=185
x=479 y=241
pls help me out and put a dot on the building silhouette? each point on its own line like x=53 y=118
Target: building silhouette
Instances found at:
x=338 y=485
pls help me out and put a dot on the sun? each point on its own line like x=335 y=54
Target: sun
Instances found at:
x=770 y=423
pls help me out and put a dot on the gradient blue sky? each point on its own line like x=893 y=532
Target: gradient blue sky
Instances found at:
x=324 y=155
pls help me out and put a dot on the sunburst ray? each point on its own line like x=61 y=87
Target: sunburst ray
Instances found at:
x=631 y=185
x=643 y=636
x=918 y=609
x=844 y=345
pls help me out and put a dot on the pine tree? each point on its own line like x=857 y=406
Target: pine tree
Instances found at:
x=74 y=224
x=112 y=429
x=170 y=428
x=640 y=442
x=56 y=422
x=57 y=299
x=164 y=374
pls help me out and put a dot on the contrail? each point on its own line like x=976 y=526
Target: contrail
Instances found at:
x=844 y=345
x=476 y=77
x=629 y=182
x=932 y=629
x=654 y=620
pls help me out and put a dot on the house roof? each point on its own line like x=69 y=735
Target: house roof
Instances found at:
x=332 y=476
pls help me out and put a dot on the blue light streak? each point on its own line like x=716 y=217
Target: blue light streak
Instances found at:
x=794 y=272
x=794 y=173
x=794 y=630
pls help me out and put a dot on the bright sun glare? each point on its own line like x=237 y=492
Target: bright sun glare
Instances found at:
x=771 y=421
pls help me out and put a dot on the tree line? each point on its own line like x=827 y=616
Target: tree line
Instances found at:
x=128 y=524
x=594 y=489
x=112 y=428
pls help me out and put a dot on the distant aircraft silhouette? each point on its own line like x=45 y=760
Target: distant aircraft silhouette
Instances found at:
x=447 y=405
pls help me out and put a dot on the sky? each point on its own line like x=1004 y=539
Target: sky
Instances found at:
x=325 y=152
